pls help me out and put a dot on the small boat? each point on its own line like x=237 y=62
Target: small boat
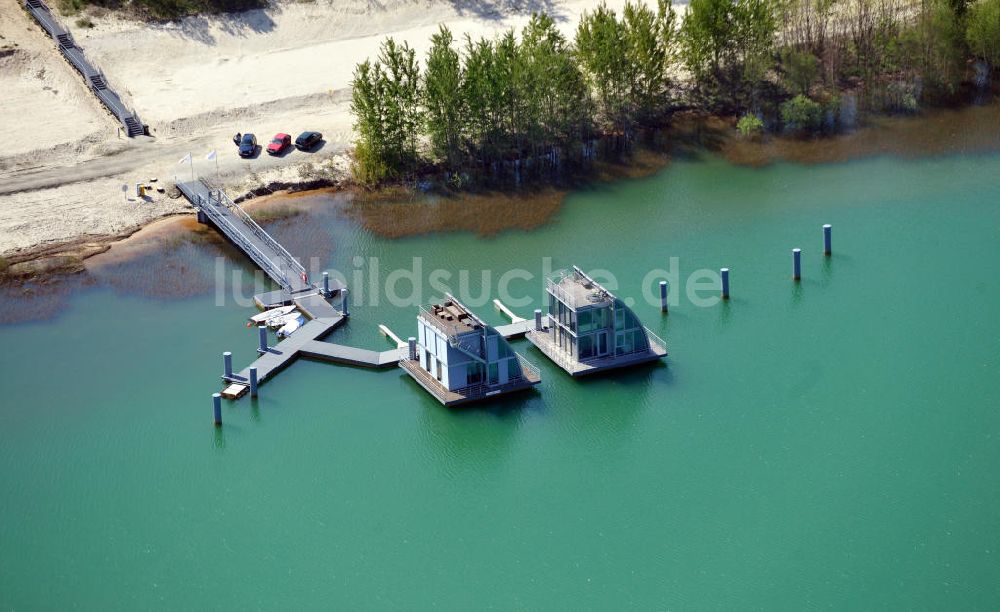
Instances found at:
x=281 y=320
x=288 y=328
x=262 y=317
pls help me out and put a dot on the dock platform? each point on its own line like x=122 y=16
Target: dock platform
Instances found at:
x=469 y=394
x=543 y=342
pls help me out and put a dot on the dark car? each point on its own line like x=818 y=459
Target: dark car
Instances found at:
x=307 y=140
x=248 y=145
x=278 y=144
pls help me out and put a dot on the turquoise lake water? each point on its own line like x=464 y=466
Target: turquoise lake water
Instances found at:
x=832 y=444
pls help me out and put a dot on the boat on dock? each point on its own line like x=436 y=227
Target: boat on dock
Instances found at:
x=264 y=317
x=281 y=320
x=291 y=326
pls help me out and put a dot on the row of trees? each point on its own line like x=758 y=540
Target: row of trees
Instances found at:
x=539 y=100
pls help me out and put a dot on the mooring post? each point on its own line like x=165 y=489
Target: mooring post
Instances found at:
x=725 y=283
x=217 y=408
x=343 y=302
x=253 y=382
x=412 y=343
x=538 y=319
x=796 y=264
x=227 y=359
x=326 y=284
x=262 y=334
x=663 y=296
x=828 y=239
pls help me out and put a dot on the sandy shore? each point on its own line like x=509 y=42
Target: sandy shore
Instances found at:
x=196 y=82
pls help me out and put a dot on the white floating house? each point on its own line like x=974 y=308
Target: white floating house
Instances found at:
x=458 y=358
x=588 y=329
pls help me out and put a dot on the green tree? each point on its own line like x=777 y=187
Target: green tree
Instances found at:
x=983 y=32
x=728 y=45
x=801 y=69
x=802 y=114
x=445 y=110
x=750 y=125
x=626 y=62
x=599 y=43
x=385 y=104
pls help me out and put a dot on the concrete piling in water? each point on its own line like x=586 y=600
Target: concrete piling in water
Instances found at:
x=827 y=239
x=253 y=382
x=217 y=408
x=663 y=296
x=796 y=264
x=538 y=319
x=343 y=302
x=227 y=360
x=262 y=342
x=725 y=283
x=326 y=284
x=412 y=344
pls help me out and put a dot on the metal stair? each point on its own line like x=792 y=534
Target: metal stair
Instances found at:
x=91 y=75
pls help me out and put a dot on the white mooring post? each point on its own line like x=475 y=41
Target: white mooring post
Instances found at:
x=538 y=319
x=412 y=344
x=262 y=336
x=227 y=360
x=663 y=296
x=326 y=284
x=343 y=302
x=253 y=382
x=725 y=283
x=217 y=408
x=827 y=240
x=796 y=264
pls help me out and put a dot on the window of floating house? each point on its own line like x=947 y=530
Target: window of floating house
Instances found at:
x=474 y=373
x=494 y=373
x=586 y=344
x=513 y=369
x=630 y=335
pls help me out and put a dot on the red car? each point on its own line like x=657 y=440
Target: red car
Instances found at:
x=278 y=144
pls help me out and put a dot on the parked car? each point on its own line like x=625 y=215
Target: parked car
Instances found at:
x=307 y=140
x=278 y=144
x=248 y=145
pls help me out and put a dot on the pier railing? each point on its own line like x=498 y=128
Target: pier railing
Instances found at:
x=223 y=199
x=260 y=258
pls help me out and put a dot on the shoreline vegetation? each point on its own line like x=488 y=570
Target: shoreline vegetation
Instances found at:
x=969 y=129
x=537 y=106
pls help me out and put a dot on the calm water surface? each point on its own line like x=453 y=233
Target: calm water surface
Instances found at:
x=832 y=444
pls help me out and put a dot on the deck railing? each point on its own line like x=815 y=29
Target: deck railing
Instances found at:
x=527 y=366
x=256 y=229
x=259 y=257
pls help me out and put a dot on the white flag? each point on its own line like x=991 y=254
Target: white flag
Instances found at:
x=185 y=159
x=210 y=156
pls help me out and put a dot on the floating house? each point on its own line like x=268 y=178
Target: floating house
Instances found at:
x=589 y=330
x=458 y=358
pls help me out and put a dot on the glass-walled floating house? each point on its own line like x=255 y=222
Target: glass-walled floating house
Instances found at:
x=588 y=329
x=458 y=358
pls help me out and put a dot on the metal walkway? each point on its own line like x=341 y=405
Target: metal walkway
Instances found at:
x=95 y=78
x=250 y=237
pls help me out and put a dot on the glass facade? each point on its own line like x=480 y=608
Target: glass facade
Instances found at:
x=592 y=332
